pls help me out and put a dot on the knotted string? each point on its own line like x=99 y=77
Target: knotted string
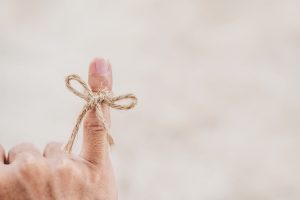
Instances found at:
x=95 y=100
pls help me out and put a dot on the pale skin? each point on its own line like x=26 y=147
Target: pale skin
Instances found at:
x=27 y=173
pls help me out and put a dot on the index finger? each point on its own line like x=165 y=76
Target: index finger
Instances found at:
x=95 y=141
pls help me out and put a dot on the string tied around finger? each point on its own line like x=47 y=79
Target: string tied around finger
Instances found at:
x=95 y=100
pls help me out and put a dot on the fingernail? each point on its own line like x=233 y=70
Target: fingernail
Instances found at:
x=99 y=66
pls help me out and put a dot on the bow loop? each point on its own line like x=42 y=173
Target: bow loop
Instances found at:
x=132 y=102
x=87 y=91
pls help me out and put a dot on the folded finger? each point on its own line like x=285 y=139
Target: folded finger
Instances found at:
x=23 y=151
x=53 y=150
x=95 y=140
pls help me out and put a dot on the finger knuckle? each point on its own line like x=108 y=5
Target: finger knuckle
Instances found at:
x=94 y=126
x=27 y=159
x=53 y=145
x=21 y=147
x=25 y=146
x=29 y=166
x=66 y=169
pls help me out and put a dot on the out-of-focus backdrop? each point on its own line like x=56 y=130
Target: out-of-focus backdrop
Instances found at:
x=218 y=86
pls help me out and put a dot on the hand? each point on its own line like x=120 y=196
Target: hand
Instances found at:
x=27 y=174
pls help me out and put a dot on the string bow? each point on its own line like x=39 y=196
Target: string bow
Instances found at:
x=95 y=100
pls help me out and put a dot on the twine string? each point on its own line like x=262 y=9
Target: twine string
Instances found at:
x=95 y=100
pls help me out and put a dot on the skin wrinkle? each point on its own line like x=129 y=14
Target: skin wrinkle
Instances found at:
x=50 y=186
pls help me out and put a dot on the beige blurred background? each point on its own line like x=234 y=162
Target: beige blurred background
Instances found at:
x=217 y=81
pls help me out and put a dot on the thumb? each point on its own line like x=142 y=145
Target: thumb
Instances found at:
x=95 y=144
